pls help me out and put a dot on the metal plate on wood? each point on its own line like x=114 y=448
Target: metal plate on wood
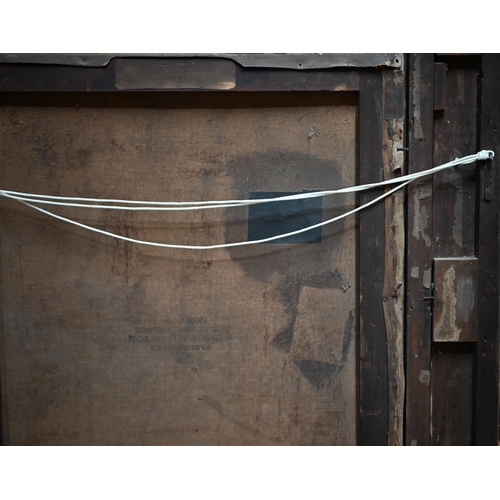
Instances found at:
x=182 y=73
x=455 y=316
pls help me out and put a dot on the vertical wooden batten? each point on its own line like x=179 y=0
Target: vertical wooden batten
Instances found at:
x=485 y=417
x=393 y=300
x=419 y=254
x=455 y=228
x=381 y=260
x=3 y=385
x=373 y=353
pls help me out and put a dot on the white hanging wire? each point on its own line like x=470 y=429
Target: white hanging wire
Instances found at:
x=70 y=201
x=222 y=245
x=28 y=199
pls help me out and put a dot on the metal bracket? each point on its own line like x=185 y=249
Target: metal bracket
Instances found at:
x=488 y=180
x=432 y=289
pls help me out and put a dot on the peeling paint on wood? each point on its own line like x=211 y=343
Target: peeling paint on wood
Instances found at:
x=455 y=304
x=446 y=328
x=419 y=250
x=427 y=279
x=425 y=377
x=420 y=220
x=424 y=191
x=418 y=133
x=393 y=303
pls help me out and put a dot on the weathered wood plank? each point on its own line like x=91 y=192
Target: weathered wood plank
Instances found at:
x=440 y=70
x=373 y=349
x=3 y=363
x=176 y=99
x=262 y=80
x=455 y=135
x=280 y=61
x=455 y=317
x=180 y=73
x=452 y=393
x=419 y=256
x=455 y=220
x=37 y=78
x=487 y=379
x=149 y=73
x=393 y=300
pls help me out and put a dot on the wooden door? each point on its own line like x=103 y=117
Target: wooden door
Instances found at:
x=452 y=278
x=293 y=342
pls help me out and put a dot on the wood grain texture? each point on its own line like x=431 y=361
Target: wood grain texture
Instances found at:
x=279 y=61
x=3 y=362
x=394 y=84
x=451 y=222
x=455 y=317
x=452 y=394
x=487 y=403
x=265 y=80
x=373 y=349
x=179 y=73
x=455 y=135
x=440 y=70
x=107 y=342
x=455 y=220
x=123 y=74
x=419 y=251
